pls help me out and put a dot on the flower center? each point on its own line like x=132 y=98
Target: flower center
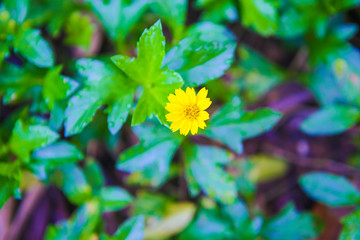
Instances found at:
x=191 y=112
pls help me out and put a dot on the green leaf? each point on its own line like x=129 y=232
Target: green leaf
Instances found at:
x=230 y=124
x=79 y=30
x=177 y=216
x=261 y=15
x=218 y=11
x=199 y=61
x=290 y=225
x=351 y=228
x=209 y=31
x=131 y=229
x=118 y=16
x=26 y=138
x=173 y=13
x=331 y=120
x=10 y=176
x=146 y=71
x=18 y=9
x=94 y=175
x=104 y=84
x=119 y=112
x=57 y=154
x=203 y=170
x=114 y=198
x=81 y=225
x=36 y=49
x=257 y=74
x=71 y=179
x=4 y=51
x=55 y=87
x=330 y=189
x=209 y=224
x=153 y=154
x=81 y=110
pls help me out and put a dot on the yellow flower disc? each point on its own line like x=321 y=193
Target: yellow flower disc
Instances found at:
x=187 y=110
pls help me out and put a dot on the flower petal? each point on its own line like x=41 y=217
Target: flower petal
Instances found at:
x=194 y=127
x=204 y=104
x=201 y=95
x=201 y=123
x=173 y=116
x=172 y=107
x=176 y=125
x=181 y=96
x=190 y=92
x=203 y=115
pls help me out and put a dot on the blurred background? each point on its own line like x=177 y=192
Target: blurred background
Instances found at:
x=280 y=159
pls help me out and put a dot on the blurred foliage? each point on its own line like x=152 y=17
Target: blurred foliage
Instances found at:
x=77 y=72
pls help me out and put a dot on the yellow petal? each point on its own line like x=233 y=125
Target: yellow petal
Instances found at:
x=181 y=96
x=173 y=99
x=204 y=104
x=190 y=92
x=203 y=115
x=187 y=129
x=201 y=123
x=201 y=95
x=176 y=125
x=183 y=126
x=173 y=116
x=172 y=107
x=194 y=127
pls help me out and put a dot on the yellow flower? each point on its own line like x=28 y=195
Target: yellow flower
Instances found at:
x=187 y=110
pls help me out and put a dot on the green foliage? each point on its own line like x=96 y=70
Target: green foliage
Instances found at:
x=76 y=78
x=146 y=71
x=201 y=60
x=331 y=120
x=203 y=171
x=331 y=189
x=118 y=16
x=131 y=229
x=232 y=121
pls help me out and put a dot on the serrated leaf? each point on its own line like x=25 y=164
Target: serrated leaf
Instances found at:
x=204 y=171
x=146 y=70
x=331 y=120
x=330 y=189
x=114 y=198
x=153 y=153
x=199 y=61
x=231 y=124
x=57 y=154
x=36 y=49
x=26 y=138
